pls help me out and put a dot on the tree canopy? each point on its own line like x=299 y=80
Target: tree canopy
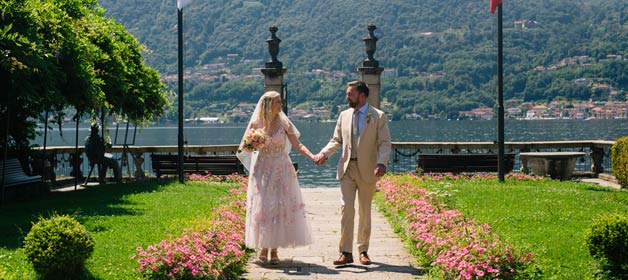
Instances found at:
x=61 y=56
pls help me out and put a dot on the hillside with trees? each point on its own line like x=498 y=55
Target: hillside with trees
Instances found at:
x=440 y=56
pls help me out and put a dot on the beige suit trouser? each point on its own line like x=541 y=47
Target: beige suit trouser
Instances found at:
x=351 y=183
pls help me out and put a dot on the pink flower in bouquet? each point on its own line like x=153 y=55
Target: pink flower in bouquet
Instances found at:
x=254 y=140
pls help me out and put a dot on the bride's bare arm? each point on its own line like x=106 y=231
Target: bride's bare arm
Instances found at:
x=299 y=146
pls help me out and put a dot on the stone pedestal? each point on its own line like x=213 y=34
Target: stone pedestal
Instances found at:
x=370 y=71
x=372 y=77
x=597 y=157
x=558 y=165
x=273 y=79
x=76 y=161
x=138 y=160
x=274 y=71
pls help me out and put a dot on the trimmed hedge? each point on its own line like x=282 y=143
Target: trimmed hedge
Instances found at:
x=619 y=157
x=58 y=247
x=607 y=241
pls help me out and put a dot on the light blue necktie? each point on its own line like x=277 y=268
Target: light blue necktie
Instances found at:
x=355 y=133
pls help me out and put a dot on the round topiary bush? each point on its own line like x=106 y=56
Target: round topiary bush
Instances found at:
x=619 y=158
x=607 y=240
x=58 y=246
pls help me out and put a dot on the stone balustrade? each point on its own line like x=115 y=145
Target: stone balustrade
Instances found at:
x=403 y=158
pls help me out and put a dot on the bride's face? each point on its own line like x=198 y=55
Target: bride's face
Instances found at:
x=277 y=105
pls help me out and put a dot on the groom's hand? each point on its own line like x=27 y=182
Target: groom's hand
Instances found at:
x=380 y=170
x=320 y=158
x=315 y=159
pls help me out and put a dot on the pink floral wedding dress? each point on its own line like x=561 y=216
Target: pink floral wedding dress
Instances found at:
x=275 y=214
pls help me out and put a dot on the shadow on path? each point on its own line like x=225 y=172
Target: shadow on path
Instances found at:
x=298 y=268
x=378 y=266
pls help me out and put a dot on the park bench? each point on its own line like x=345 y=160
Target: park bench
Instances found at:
x=456 y=163
x=14 y=175
x=16 y=184
x=196 y=164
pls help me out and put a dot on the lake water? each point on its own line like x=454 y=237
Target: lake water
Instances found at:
x=315 y=135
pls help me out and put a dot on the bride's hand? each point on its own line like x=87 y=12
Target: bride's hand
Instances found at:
x=319 y=159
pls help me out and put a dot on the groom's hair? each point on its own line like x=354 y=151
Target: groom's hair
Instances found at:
x=360 y=86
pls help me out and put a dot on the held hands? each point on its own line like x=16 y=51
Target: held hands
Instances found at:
x=320 y=158
x=380 y=170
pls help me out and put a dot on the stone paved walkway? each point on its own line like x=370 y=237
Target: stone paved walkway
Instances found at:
x=602 y=183
x=390 y=260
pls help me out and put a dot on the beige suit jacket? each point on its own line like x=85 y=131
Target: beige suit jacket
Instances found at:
x=373 y=146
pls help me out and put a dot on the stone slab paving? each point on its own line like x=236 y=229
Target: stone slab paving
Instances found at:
x=390 y=260
x=601 y=182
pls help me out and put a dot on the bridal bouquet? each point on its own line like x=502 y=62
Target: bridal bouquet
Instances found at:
x=254 y=140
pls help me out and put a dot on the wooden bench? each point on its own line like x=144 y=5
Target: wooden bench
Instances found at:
x=16 y=184
x=456 y=163
x=197 y=164
x=14 y=175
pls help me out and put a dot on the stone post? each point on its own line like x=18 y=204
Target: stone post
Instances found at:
x=597 y=157
x=76 y=162
x=138 y=160
x=370 y=70
x=274 y=70
x=524 y=161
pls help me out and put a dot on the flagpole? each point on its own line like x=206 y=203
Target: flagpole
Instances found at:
x=500 y=96
x=180 y=59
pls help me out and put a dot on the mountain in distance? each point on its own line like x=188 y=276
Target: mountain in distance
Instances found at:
x=439 y=56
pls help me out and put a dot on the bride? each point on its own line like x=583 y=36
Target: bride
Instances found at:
x=275 y=213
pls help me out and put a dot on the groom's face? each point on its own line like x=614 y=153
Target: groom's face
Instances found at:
x=353 y=97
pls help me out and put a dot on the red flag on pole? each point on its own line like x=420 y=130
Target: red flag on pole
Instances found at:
x=494 y=4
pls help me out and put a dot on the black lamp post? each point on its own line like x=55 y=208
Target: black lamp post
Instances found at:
x=501 y=166
x=180 y=149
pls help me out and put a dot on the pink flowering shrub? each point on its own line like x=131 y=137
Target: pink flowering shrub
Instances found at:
x=233 y=178
x=209 y=250
x=477 y=176
x=458 y=247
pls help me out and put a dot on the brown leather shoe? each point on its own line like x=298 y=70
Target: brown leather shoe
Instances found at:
x=345 y=258
x=364 y=258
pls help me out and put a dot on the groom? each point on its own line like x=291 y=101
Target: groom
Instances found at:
x=362 y=132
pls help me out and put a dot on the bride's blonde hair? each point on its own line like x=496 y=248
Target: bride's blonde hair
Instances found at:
x=263 y=115
x=266 y=107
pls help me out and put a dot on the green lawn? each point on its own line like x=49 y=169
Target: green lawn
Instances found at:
x=120 y=217
x=546 y=218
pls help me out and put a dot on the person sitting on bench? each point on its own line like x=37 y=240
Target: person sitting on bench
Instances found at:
x=95 y=147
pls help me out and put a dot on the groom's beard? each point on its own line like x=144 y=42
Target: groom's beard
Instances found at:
x=352 y=104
